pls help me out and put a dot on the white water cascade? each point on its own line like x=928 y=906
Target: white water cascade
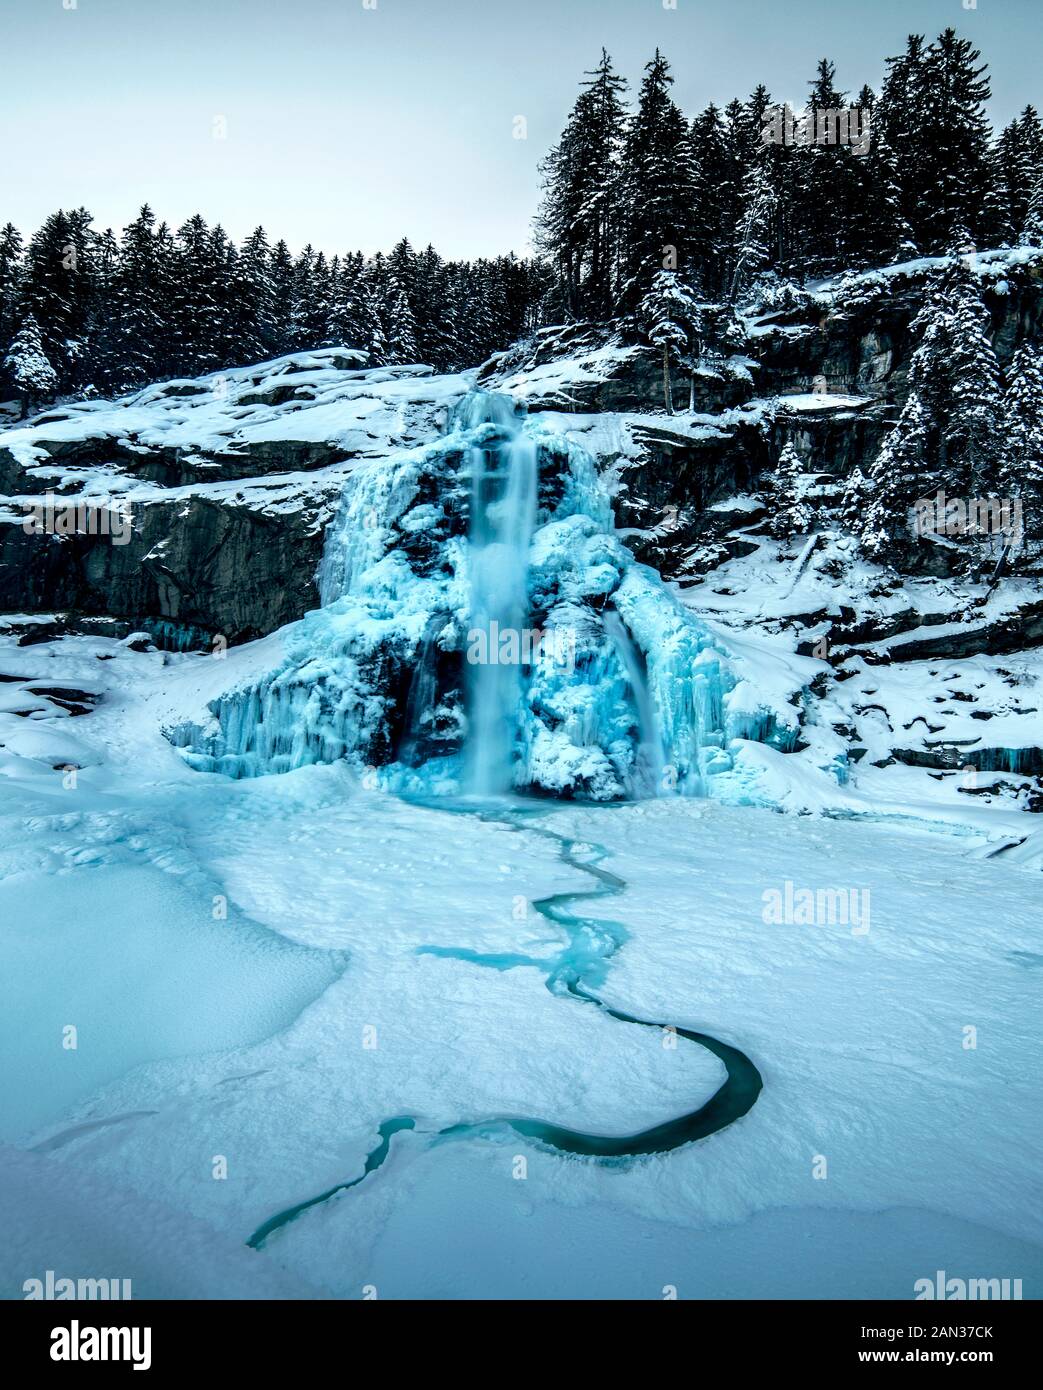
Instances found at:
x=502 y=464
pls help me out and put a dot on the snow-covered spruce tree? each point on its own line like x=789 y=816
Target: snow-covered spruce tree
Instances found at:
x=657 y=188
x=402 y=270
x=969 y=412
x=376 y=342
x=1019 y=152
x=790 y=514
x=100 y=369
x=824 y=182
x=669 y=313
x=10 y=278
x=428 y=305
x=27 y=368
x=899 y=115
x=854 y=502
x=947 y=436
x=252 y=300
x=883 y=525
x=402 y=331
x=717 y=174
x=345 y=323
x=197 y=295
x=997 y=227
x=312 y=298
x=223 y=257
x=577 y=225
x=1032 y=232
x=282 y=277
x=301 y=297
x=954 y=131
x=872 y=215
x=1022 y=474
x=751 y=249
x=136 y=309
x=56 y=290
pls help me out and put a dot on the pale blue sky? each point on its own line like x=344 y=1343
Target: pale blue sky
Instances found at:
x=351 y=126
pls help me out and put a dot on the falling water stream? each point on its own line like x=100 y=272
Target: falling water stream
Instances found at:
x=503 y=516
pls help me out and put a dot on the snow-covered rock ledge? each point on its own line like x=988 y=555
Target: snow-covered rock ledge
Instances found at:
x=228 y=482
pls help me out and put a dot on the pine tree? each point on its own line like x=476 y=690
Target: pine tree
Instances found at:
x=373 y=325
x=101 y=364
x=997 y=226
x=955 y=138
x=353 y=321
x=10 y=281
x=403 y=346
x=253 y=300
x=317 y=310
x=970 y=416
x=166 y=272
x=717 y=179
x=751 y=252
x=823 y=180
x=1032 y=232
x=26 y=366
x=899 y=118
x=402 y=335
x=893 y=479
x=137 y=304
x=51 y=294
x=302 y=296
x=658 y=188
x=946 y=437
x=790 y=512
x=342 y=325
x=429 y=304
x=225 y=349
x=854 y=502
x=670 y=314
x=1022 y=474
x=402 y=272
x=282 y=278
x=196 y=295
x=877 y=230
x=1019 y=154
x=578 y=224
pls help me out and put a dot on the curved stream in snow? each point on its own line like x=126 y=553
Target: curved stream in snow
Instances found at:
x=592 y=942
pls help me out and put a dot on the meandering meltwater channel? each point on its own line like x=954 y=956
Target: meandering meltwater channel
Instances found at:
x=581 y=964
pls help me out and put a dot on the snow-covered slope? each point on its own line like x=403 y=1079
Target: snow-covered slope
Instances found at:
x=318 y=1015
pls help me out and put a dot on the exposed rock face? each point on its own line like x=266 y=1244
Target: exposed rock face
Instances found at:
x=826 y=373
x=228 y=483
x=207 y=563
x=231 y=479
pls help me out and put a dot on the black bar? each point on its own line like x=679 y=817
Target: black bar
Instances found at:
x=272 y=1338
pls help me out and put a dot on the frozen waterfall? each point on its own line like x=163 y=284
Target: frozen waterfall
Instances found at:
x=484 y=629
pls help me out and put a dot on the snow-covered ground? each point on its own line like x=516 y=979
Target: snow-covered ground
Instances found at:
x=243 y=963
x=222 y=1000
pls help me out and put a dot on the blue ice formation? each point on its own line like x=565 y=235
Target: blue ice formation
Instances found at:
x=483 y=629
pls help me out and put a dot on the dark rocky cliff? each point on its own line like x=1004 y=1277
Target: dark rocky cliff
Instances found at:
x=824 y=370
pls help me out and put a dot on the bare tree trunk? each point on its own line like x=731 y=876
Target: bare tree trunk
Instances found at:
x=667 y=399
